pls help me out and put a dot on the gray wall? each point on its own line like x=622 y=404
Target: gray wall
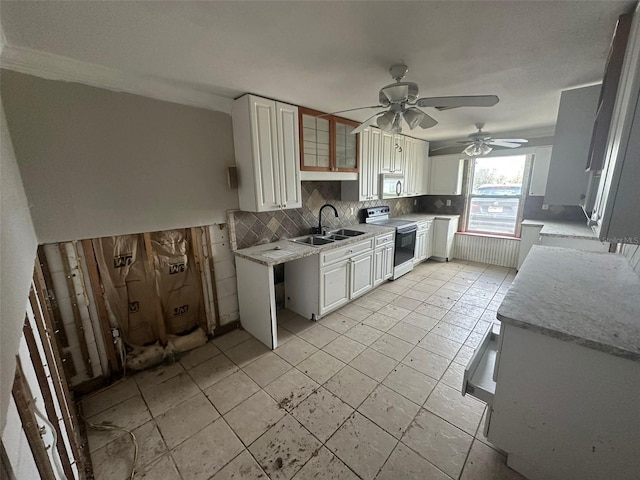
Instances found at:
x=17 y=254
x=96 y=163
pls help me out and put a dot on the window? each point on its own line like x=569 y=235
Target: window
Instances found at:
x=495 y=194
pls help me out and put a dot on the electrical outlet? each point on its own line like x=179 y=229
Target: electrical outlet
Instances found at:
x=545 y=206
x=448 y=203
x=415 y=202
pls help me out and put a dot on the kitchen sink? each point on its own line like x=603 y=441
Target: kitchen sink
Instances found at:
x=345 y=232
x=313 y=240
x=336 y=237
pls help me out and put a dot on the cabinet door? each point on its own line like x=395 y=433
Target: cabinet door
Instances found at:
x=567 y=180
x=361 y=274
x=316 y=142
x=446 y=175
x=424 y=167
x=334 y=286
x=289 y=155
x=540 y=171
x=364 y=176
x=374 y=165
x=387 y=152
x=378 y=266
x=399 y=153
x=428 y=247
x=388 y=261
x=264 y=131
x=410 y=167
x=440 y=233
x=346 y=146
x=417 y=255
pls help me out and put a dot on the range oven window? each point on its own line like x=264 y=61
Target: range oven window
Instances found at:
x=405 y=245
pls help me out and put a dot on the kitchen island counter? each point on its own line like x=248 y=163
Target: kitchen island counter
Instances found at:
x=589 y=298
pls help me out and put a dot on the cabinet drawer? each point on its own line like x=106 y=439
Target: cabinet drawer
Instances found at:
x=384 y=239
x=478 y=376
x=345 y=252
x=424 y=226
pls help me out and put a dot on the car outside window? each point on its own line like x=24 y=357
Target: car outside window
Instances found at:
x=496 y=192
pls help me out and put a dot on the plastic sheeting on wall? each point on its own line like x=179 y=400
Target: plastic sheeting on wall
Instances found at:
x=179 y=290
x=148 y=301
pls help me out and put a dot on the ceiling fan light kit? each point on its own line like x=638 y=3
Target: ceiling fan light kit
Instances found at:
x=474 y=150
x=479 y=143
x=401 y=99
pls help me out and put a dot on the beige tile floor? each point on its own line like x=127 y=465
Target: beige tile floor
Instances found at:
x=370 y=391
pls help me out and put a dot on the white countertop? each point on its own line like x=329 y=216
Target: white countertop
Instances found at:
x=589 y=298
x=554 y=228
x=285 y=250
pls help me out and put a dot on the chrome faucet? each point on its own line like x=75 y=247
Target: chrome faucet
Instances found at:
x=320 y=229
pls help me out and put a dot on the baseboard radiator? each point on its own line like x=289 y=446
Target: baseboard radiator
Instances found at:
x=492 y=250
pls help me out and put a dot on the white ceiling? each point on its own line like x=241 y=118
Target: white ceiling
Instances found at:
x=335 y=55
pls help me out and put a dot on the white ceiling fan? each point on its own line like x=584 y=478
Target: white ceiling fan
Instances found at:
x=402 y=101
x=480 y=143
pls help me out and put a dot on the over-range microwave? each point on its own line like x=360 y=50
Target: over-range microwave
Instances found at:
x=391 y=185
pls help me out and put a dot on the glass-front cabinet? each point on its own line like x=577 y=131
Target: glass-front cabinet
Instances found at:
x=326 y=143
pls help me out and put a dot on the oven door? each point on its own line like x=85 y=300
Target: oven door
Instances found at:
x=405 y=245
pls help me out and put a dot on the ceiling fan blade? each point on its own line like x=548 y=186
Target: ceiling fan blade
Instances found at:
x=428 y=121
x=350 y=110
x=447 y=103
x=366 y=123
x=502 y=143
x=465 y=142
x=511 y=140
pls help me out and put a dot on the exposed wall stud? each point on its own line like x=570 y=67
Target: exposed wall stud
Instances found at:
x=44 y=326
x=77 y=319
x=24 y=403
x=98 y=294
x=50 y=408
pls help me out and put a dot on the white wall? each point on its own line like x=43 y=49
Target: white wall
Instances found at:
x=98 y=163
x=17 y=254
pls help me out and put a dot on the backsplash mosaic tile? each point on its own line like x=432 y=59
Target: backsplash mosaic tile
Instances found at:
x=248 y=229
x=533 y=211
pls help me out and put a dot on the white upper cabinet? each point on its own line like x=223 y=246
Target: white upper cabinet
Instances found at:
x=368 y=176
x=266 y=141
x=540 y=171
x=445 y=176
x=391 y=153
x=416 y=168
x=567 y=180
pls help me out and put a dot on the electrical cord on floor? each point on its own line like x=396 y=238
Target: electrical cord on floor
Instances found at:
x=104 y=427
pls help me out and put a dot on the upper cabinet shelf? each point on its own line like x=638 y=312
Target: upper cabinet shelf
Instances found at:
x=326 y=143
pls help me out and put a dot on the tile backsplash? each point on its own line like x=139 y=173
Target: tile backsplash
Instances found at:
x=533 y=210
x=248 y=228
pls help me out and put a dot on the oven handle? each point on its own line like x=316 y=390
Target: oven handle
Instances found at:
x=409 y=229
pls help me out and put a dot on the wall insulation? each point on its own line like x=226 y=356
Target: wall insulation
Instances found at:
x=188 y=280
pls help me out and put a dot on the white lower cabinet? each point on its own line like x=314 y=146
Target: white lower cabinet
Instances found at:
x=559 y=410
x=383 y=258
x=317 y=285
x=334 y=286
x=444 y=230
x=424 y=242
x=361 y=274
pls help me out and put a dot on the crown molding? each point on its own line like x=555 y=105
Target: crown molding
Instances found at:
x=57 y=67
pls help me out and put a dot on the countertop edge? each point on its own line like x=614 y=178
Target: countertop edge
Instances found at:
x=602 y=347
